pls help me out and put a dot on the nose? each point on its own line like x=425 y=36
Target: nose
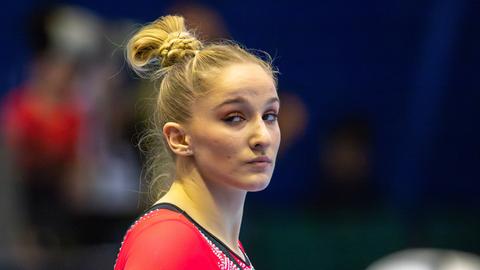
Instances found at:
x=260 y=137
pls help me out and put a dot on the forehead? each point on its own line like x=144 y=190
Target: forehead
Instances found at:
x=243 y=80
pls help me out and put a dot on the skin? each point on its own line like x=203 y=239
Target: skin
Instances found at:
x=230 y=127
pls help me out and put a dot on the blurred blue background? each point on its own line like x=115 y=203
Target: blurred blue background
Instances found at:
x=380 y=109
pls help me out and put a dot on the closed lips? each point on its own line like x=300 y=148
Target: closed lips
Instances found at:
x=261 y=160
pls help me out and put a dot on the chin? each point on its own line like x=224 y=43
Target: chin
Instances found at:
x=255 y=185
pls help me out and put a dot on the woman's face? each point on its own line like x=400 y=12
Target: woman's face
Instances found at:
x=234 y=132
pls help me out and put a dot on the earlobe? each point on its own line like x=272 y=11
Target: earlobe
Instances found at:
x=176 y=138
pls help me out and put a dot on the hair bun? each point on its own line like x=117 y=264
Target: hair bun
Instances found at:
x=178 y=46
x=159 y=45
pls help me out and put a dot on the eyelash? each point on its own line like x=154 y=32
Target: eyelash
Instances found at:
x=236 y=118
x=275 y=117
x=230 y=118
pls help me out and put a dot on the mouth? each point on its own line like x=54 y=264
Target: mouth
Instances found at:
x=260 y=164
x=260 y=160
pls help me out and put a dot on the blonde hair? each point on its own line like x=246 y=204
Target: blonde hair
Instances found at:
x=166 y=51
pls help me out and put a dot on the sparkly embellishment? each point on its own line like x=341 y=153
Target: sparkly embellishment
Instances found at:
x=224 y=263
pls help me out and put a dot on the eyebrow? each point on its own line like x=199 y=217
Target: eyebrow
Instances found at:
x=236 y=100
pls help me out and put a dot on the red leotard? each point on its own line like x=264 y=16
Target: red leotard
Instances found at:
x=167 y=239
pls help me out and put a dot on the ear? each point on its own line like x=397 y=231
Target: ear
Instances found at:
x=177 y=139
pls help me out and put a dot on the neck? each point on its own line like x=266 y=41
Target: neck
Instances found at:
x=216 y=207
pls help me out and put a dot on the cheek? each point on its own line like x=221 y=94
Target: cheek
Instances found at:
x=229 y=147
x=276 y=137
x=219 y=146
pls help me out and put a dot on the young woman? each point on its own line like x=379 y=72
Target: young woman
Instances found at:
x=217 y=118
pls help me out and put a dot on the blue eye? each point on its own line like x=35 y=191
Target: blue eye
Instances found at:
x=233 y=119
x=270 y=117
